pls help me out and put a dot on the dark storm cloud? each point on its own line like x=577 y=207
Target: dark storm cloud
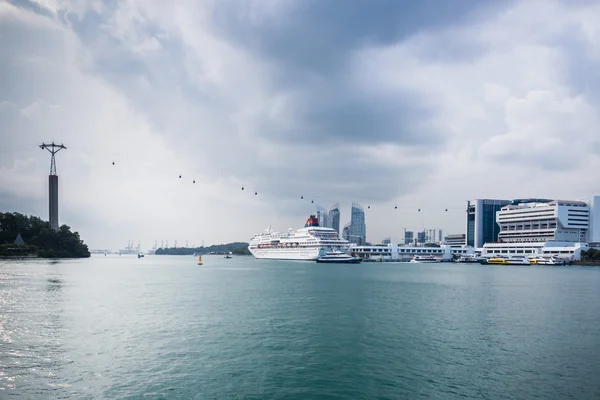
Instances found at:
x=309 y=51
x=318 y=39
x=317 y=35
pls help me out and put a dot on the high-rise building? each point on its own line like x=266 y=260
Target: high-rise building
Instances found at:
x=323 y=217
x=481 y=221
x=333 y=218
x=386 y=241
x=594 y=232
x=421 y=237
x=346 y=232
x=440 y=237
x=541 y=220
x=409 y=236
x=358 y=229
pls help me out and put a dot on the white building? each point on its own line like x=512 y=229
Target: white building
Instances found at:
x=393 y=252
x=566 y=250
x=532 y=220
x=456 y=240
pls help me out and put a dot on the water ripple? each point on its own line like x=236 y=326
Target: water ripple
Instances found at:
x=163 y=327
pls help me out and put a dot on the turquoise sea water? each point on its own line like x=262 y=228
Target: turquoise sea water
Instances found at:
x=162 y=327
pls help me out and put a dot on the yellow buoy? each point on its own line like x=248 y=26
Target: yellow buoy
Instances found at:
x=199 y=260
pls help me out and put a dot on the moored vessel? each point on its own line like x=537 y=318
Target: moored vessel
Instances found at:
x=518 y=261
x=498 y=261
x=425 y=259
x=547 y=261
x=338 y=257
x=308 y=243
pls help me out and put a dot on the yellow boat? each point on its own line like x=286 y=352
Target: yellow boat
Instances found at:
x=200 y=260
x=498 y=261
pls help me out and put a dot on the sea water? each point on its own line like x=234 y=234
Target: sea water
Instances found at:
x=162 y=327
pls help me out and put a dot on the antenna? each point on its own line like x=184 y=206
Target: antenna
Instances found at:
x=53 y=149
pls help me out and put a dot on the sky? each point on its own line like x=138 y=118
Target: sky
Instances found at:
x=414 y=105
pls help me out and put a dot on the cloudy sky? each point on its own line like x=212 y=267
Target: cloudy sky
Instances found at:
x=381 y=102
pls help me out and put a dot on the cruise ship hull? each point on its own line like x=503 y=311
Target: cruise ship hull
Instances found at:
x=289 y=254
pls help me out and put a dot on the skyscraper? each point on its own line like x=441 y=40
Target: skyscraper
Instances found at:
x=358 y=229
x=323 y=217
x=481 y=221
x=333 y=218
x=346 y=232
x=409 y=237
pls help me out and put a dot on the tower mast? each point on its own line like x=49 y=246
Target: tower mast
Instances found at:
x=53 y=183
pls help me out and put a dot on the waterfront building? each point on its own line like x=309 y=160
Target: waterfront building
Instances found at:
x=481 y=226
x=455 y=240
x=346 y=232
x=323 y=217
x=594 y=231
x=540 y=220
x=394 y=252
x=566 y=250
x=357 y=229
x=409 y=237
x=333 y=218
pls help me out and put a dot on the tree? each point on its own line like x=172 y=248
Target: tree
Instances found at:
x=37 y=232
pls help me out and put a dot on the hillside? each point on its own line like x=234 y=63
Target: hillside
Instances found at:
x=238 y=248
x=39 y=238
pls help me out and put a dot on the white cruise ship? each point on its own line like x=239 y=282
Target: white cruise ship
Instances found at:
x=308 y=243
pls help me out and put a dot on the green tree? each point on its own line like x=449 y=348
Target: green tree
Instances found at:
x=37 y=232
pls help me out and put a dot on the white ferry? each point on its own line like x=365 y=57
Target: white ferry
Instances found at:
x=338 y=257
x=425 y=259
x=308 y=243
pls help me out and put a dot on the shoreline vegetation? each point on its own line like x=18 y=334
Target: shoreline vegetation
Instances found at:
x=23 y=236
x=235 y=248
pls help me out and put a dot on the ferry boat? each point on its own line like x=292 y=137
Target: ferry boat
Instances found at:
x=547 y=261
x=509 y=261
x=308 y=243
x=338 y=257
x=518 y=261
x=498 y=261
x=470 y=259
x=425 y=259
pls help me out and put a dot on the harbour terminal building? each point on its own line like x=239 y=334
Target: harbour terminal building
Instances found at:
x=394 y=252
x=507 y=228
x=532 y=227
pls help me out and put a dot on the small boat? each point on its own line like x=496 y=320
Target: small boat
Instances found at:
x=337 y=257
x=498 y=261
x=140 y=255
x=228 y=256
x=470 y=260
x=425 y=259
x=200 y=260
x=518 y=261
x=547 y=261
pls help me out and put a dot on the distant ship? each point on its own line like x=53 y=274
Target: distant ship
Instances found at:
x=308 y=243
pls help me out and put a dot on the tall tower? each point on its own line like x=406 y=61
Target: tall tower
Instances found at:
x=53 y=183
